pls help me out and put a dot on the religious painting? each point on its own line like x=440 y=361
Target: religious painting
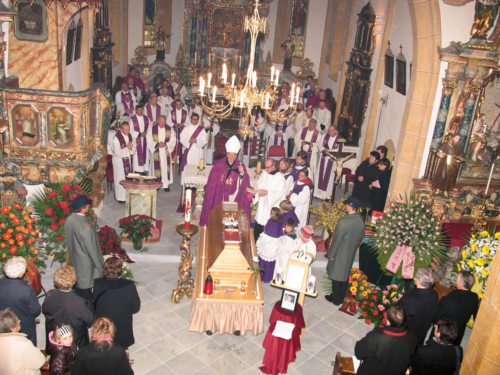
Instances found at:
x=26 y=126
x=31 y=21
x=227 y=27
x=401 y=74
x=149 y=23
x=289 y=300
x=389 y=67
x=60 y=124
x=298 y=24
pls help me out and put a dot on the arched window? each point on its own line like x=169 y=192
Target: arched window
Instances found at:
x=78 y=40
x=70 y=42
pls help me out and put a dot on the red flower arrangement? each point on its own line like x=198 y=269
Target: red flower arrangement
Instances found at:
x=136 y=228
x=52 y=207
x=111 y=244
x=373 y=307
x=18 y=234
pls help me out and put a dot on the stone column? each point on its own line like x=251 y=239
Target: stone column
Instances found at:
x=449 y=86
x=483 y=351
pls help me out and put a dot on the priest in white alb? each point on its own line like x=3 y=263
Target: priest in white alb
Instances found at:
x=153 y=109
x=323 y=115
x=161 y=144
x=269 y=192
x=325 y=172
x=123 y=149
x=308 y=141
x=165 y=100
x=193 y=140
x=178 y=117
x=140 y=125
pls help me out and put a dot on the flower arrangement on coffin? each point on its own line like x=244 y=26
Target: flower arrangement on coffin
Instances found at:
x=358 y=289
x=126 y=271
x=408 y=236
x=136 y=228
x=376 y=302
x=111 y=243
x=477 y=256
x=51 y=208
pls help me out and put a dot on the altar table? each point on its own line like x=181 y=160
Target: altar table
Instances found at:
x=141 y=197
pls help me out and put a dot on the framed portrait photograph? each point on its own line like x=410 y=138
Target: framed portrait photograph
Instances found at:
x=31 y=21
x=289 y=299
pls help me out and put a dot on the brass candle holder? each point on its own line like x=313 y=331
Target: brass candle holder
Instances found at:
x=185 y=284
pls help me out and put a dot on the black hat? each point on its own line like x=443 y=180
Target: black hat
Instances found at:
x=353 y=202
x=79 y=202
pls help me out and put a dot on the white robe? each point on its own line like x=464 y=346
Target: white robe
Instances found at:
x=118 y=170
x=324 y=117
x=137 y=167
x=267 y=247
x=183 y=91
x=166 y=103
x=197 y=151
x=288 y=183
x=284 y=249
x=120 y=108
x=209 y=150
x=274 y=184
x=163 y=152
x=318 y=193
x=258 y=126
x=301 y=203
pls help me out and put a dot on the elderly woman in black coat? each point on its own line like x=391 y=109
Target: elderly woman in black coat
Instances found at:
x=19 y=296
x=117 y=299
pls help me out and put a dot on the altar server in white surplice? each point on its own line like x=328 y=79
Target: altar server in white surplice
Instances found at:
x=325 y=172
x=268 y=194
x=153 y=109
x=300 y=196
x=139 y=130
x=123 y=149
x=161 y=144
x=193 y=139
x=212 y=128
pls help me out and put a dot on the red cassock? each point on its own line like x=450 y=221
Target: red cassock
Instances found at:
x=280 y=352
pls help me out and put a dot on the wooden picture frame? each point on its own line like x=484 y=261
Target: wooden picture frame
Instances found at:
x=289 y=300
x=297 y=274
x=389 y=68
x=401 y=76
x=30 y=23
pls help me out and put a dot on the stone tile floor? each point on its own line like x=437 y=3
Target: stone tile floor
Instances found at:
x=164 y=345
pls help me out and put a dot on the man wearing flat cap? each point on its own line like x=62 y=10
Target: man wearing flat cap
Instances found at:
x=83 y=247
x=346 y=239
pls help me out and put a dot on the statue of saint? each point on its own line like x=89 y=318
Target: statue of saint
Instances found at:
x=287 y=47
x=478 y=141
x=161 y=43
x=484 y=18
x=451 y=155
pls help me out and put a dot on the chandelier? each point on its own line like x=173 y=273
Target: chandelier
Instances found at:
x=220 y=98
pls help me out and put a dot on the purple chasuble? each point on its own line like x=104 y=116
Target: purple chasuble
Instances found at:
x=127 y=162
x=224 y=180
x=141 y=141
x=156 y=153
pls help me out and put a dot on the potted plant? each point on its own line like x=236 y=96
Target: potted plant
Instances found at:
x=136 y=228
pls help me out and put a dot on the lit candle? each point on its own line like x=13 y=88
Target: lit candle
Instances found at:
x=277 y=79
x=233 y=78
x=195 y=56
x=202 y=85
x=254 y=78
x=297 y=90
x=214 y=92
x=187 y=208
x=240 y=61
x=201 y=165
x=272 y=73
x=292 y=91
x=268 y=97
x=224 y=73
x=209 y=78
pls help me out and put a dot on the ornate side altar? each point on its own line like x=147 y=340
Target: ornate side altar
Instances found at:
x=56 y=136
x=226 y=250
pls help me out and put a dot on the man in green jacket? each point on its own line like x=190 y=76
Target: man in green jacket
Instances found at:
x=346 y=239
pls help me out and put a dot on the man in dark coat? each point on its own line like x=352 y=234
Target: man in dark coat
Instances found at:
x=346 y=239
x=460 y=305
x=366 y=173
x=387 y=350
x=420 y=304
x=19 y=296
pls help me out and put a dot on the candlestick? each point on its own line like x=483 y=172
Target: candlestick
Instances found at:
x=233 y=78
x=489 y=178
x=242 y=98
x=214 y=93
x=272 y=73
x=254 y=78
x=277 y=79
x=209 y=79
x=209 y=59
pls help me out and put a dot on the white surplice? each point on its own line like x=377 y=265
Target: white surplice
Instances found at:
x=274 y=184
x=196 y=151
x=163 y=152
x=301 y=203
x=118 y=170
x=324 y=117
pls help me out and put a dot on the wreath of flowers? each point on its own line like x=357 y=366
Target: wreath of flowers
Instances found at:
x=409 y=222
x=373 y=306
x=477 y=255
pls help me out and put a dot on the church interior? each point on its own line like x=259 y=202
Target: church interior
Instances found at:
x=409 y=89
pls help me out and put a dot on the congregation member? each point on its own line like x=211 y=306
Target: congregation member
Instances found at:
x=153 y=109
x=177 y=121
x=460 y=305
x=126 y=108
x=165 y=100
x=300 y=164
x=102 y=356
x=308 y=141
x=323 y=115
x=267 y=244
x=380 y=187
x=387 y=350
x=193 y=139
x=17 y=295
x=140 y=126
x=325 y=174
x=345 y=242
x=117 y=299
x=228 y=181
x=212 y=128
x=84 y=250
x=440 y=355
x=161 y=144
x=123 y=149
x=300 y=197
x=420 y=304
x=382 y=150
x=18 y=355
x=366 y=173
x=120 y=95
x=63 y=306
x=62 y=349
x=285 y=168
x=268 y=193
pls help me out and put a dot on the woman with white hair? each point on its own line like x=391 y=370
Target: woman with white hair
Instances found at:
x=420 y=304
x=18 y=295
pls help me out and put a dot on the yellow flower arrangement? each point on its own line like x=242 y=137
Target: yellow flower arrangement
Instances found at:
x=328 y=215
x=358 y=286
x=484 y=233
x=486 y=249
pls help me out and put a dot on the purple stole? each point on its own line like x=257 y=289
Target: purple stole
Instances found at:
x=324 y=175
x=149 y=110
x=156 y=153
x=140 y=141
x=128 y=107
x=127 y=162
x=314 y=138
x=195 y=134
x=178 y=129
x=279 y=140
